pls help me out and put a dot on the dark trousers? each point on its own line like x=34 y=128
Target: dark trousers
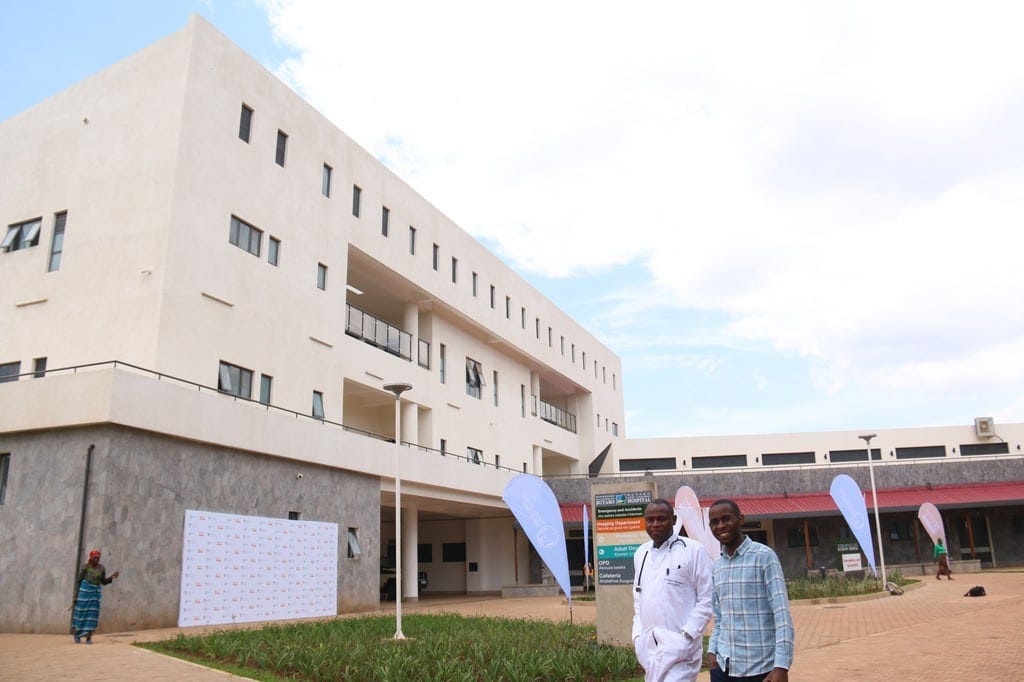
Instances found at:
x=717 y=675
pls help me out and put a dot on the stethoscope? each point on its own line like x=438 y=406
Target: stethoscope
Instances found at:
x=643 y=562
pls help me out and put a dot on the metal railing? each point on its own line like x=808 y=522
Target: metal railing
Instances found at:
x=160 y=376
x=557 y=416
x=377 y=332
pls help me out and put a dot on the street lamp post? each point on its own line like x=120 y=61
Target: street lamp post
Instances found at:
x=874 y=502
x=398 y=389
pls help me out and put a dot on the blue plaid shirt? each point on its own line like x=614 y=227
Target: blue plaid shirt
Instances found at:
x=753 y=629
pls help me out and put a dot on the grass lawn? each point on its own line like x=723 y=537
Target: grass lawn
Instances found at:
x=440 y=647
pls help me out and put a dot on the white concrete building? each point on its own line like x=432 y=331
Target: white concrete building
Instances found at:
x=204 y=287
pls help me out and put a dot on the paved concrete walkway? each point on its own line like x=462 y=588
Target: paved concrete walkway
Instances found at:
x=932 y=633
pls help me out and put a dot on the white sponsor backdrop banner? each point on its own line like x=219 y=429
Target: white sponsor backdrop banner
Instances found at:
x=238 y=569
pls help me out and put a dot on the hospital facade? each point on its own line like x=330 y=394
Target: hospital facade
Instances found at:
x=206 y=286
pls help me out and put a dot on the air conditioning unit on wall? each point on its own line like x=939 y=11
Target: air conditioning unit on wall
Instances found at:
x=985 y=427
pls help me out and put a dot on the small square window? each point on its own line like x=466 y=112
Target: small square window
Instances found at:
x=235 y=380
x=476 y=456
x=22 y=235
x=39 y=368
x=294 y=515
x=357 y=194
x=282 y=146
x=9 y=371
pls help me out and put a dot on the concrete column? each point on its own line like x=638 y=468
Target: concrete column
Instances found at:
x=410 y=541
x=410 y=422
x=538 y=461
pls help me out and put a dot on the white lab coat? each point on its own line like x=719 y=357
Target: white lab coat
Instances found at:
x=671 y=607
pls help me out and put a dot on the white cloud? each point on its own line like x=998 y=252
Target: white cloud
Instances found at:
x=838 y=182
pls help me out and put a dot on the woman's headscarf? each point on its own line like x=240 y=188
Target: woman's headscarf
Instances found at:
x=94 y=556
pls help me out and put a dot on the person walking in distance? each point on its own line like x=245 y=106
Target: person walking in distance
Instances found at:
x=671 y=599
x=752 y=640
x=941 y=554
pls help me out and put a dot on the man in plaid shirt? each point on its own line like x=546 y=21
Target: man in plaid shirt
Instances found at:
x=753 y=635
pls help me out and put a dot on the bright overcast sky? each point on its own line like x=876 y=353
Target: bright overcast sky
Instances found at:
x=781 y=216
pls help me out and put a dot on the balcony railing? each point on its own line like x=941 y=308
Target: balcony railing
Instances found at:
x=378 y=333
x=557 y=416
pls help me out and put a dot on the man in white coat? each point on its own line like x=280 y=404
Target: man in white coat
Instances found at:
x=671 y=599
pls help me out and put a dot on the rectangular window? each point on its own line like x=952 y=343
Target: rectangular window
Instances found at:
x=476 y=456
x=294 y=515
x=522 y=317
x=453 y=552
x=455 y=270
x=325 y=181
x=598 y=420
x=782 y=458
x=424 y=553
x=474 y=378
x=9 y=371
x=508 y=308
x=550 y=338
x=354 y=550
x=444 y=447
x=22 y=235
x=716 y=461
x=561 y=344
x=412 y=240
x=282 y=145
x=474 y=284
x=613 y=382
x=795 y=536
x=648 y=464
x=357 y=195
x=57 y=243
x=245 y=236
x=321 y=276
x=266 y=381
x=436 y=252
x=492 y=297
x=921 y=451
x=855 y=455
x=604 y=375
x=968 y=449
x=536 y=325
x=574 y=353
x=595 y=370
x=615 y=429
x=497 y=461
x=494 y=385
x=5 y=467
x=522 y=399
x=235 y=380
x=245 y=123
x=273 y=250
x=385 y=217
x=39 y=368
x=442 y=360
x=900 y=530
x=318 y=405
x=584 y=359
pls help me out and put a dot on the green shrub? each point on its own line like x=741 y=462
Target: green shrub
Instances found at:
x=832 y=586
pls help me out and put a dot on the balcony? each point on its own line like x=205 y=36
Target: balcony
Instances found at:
x=554 y=415
x=379 y=333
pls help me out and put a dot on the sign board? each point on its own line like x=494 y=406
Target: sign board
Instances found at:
x=620 y=529
x=851 y=562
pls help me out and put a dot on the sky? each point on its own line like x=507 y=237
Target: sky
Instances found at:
x=783 y=217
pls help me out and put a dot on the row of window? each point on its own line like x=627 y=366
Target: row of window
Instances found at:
x=9 y=371
x=25 y=235
x=250 y=238
x=245 y=133
x=245 y=124
x=791 y=458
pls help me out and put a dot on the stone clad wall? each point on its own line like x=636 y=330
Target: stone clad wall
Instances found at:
x=140 y=486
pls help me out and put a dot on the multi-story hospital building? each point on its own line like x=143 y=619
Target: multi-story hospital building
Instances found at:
x=205 y=287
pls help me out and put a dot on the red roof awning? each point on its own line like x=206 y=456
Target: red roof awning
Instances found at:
x=891 y=499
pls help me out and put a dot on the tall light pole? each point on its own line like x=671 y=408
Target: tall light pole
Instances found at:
x=398 y=390
x=874 y=502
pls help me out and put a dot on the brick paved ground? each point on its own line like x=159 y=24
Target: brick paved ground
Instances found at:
x=932 y=633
